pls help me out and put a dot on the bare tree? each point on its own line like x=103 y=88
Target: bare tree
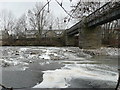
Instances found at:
x=50 y=21
x=82 y=8
x=60 y=23
x=21 y=25
x=38 y=18
x=7 y=21
x=110 y=32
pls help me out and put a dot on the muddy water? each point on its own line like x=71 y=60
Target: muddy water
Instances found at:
x=33 y=67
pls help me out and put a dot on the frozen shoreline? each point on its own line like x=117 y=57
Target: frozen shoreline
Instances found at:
x=103 y=51
x=46 y=53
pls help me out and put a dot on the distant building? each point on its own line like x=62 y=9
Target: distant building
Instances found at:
x=45 y=33
x=4 y=34
x=52 y=33
x=31 y=33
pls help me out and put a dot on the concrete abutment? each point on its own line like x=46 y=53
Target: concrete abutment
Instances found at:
x=90 y=38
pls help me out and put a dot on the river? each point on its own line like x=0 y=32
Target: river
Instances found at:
x=57 y=67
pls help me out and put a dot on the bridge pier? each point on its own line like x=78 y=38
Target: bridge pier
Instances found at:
x=72 y=40
x=90 y=38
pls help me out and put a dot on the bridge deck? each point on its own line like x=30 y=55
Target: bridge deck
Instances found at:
x=107 y=13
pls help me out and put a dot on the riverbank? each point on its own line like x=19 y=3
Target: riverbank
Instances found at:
x=53 y=41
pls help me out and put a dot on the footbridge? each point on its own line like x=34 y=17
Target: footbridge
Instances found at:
x=89 y=27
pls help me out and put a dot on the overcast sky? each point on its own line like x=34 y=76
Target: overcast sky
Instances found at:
x=19 y=7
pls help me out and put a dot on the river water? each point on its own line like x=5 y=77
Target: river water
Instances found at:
x=57 y=67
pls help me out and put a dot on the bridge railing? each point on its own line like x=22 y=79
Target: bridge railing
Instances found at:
x=74 y=27
x=97 y=14
x=106 y=8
